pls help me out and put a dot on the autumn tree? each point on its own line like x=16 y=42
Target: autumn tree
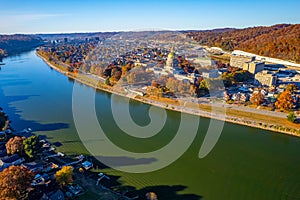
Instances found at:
x=154 y=83
x=151 y=196
x=15 y=183
x=64 y=176
x=15 y=145
x=92 y=69
x=126 y=69
x=280 y=41
x=284 y=101
x=116 y=74
x=172 y=84
x=291 y=87
x=257 y=98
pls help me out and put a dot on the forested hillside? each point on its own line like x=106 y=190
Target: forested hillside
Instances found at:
x=10 y=44
x=279 y=41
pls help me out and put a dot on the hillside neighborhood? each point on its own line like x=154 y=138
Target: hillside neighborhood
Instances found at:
x=179 y=70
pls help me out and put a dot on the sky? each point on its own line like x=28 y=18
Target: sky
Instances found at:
x=67 y=16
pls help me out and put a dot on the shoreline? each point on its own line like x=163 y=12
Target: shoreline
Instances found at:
x=199 y=112
x=103 y=190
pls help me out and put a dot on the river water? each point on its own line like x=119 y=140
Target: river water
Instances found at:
x=246 y=163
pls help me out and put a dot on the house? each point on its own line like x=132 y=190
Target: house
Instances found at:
x=2 y=146
x=227 y=96
x=245 y=97
x=87 y=165
x=58 y=195
x=296 y=78
x=50 y=166
x=33 y=166
x=8 y=161
x=40 y=180
x=3 y=153
x=139 y=63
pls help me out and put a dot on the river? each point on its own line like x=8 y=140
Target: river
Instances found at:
x=246 y=163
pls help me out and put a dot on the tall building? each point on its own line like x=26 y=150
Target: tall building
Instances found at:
x=254 y=67
x=247 y=63
x=239 y=61
x=265 y=78
x=171 y=63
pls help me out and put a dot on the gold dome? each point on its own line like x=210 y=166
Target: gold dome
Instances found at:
x=171 y=55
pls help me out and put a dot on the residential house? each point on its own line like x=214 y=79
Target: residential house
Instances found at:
x=8 y=161
x=58 y=195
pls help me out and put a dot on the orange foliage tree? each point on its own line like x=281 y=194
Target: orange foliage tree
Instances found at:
x=284 y=100
x=279 y=41
x=151 y=196
x=257 y=98
x=15 y=145
x=15 y=182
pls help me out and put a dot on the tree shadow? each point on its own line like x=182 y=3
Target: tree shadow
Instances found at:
x=162 y=191
x=167 y=192
x=57 y=144
x=173 y=192
x=120 y=161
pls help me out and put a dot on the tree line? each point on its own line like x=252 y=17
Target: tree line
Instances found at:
x=278 y=41
x=10 y=44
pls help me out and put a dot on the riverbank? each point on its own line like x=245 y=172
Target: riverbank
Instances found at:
x=45 y=163
x=4 y=122
x=212 y=111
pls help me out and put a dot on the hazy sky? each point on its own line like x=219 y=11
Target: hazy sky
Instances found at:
x=43 y=16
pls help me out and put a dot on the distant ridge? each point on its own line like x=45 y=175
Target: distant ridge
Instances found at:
x=11 y=44
x=217 y=30
x=279 y=41
x=75 y=35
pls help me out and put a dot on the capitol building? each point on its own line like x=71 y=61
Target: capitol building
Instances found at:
x=172 y=62
x=171 y=68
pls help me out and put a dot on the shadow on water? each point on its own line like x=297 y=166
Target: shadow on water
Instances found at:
x=16 y=119
x=120 y=161
x=114 y=183
x=167 y=192
x=162 y=192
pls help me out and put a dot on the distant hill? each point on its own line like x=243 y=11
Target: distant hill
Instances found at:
x=60 y=36
x=279 y=41
x=10 y=44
